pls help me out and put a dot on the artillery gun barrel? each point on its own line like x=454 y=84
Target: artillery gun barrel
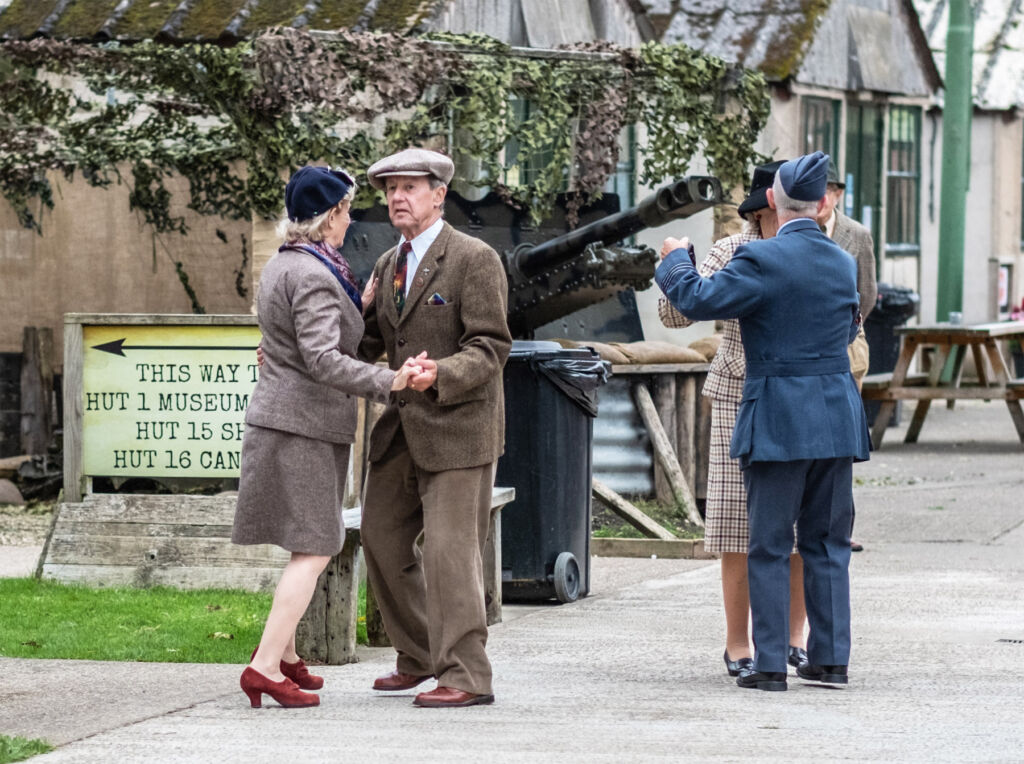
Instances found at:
x=679 y=199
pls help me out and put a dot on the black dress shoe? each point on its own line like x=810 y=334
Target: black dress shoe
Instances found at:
x=797 y=655
x=823 y=674
x=735 y=667
x=773 y=681
x=855 y=547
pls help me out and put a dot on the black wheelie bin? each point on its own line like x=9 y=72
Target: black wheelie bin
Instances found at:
x=550 y=405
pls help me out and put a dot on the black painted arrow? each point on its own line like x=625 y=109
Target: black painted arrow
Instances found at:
x=117 y=347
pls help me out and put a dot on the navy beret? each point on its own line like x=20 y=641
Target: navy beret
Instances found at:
x=313 y=191
x=804 y=178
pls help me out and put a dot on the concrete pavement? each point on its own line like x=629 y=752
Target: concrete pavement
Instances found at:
x=634 y=672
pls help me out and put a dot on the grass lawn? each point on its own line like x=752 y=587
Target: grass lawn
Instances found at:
x=47 y=619
x=19 y=748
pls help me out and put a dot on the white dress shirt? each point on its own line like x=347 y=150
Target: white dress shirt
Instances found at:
x=420 y=245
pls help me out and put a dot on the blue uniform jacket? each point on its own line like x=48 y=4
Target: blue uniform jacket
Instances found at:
x=796 y=300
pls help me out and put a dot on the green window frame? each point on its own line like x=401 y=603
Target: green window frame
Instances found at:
x=903 y=182
x=820 y=118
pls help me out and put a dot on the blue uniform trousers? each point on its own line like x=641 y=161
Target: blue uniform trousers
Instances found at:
x=817 y=495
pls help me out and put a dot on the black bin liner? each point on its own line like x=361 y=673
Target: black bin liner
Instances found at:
x=550 y=404
x=894 y=306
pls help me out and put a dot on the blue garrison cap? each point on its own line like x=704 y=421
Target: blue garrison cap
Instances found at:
x=805 y=178
x=314 y=190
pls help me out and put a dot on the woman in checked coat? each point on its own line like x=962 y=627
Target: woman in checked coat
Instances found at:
x=726 y=531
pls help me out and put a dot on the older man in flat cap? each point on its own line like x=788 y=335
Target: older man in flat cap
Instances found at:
x=800 y=424
x=434 y=449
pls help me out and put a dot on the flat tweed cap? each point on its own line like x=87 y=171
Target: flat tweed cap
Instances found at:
x=804 y=178
x=411 y=162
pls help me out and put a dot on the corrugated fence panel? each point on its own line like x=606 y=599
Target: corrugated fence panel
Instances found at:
x=623 y=458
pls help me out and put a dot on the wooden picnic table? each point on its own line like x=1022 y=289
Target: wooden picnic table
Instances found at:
x=950 y=341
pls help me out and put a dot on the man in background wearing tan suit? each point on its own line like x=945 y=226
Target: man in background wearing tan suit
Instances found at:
x=434 y=450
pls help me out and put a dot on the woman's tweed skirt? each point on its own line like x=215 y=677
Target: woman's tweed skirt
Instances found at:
x=291 y=492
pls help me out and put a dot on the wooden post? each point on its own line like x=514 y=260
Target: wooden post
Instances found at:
x=701 y=440
x=36 y=389
x=664 y=397
x=73 y=464
x=327 y=631
x=665 y=454
x=686 y=434
x=492 y=568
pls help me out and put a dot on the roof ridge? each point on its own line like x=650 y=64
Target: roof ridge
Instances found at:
x=172 y=26
x=235 y=25
x=107 y=30
x=46 y=28
x=308 y=11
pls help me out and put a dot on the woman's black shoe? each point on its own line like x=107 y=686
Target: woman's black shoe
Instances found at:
x=772 y=681
x=797 y=655
x=735 y=667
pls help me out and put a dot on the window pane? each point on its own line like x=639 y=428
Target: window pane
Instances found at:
x=903 y=177
x=821 y=126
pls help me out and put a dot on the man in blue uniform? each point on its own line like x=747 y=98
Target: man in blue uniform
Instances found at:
x=801 y=422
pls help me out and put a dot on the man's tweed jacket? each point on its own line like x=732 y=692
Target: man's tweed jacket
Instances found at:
x=856 y=239
x=460 y=421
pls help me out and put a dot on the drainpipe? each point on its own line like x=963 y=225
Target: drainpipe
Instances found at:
x=956 y=159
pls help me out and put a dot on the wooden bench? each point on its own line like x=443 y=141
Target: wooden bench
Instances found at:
x=184 y=541
x=876 y=386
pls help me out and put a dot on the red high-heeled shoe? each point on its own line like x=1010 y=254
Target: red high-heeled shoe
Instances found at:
x=285 y=692
x=298 y=673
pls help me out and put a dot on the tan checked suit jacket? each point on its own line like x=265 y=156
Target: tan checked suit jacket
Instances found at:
x=460 y=421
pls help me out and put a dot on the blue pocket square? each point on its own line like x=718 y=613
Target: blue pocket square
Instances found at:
x=436 y=299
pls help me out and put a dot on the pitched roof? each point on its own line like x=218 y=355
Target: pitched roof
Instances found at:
x=770 y=36
x=998 y=60
x=208 y=20
x=846 y=44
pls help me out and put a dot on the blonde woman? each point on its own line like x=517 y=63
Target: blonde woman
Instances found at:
x=301 y=418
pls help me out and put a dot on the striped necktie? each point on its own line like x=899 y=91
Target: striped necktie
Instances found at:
x=401 y=268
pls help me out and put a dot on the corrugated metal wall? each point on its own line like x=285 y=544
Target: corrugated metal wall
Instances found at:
x=623 y=458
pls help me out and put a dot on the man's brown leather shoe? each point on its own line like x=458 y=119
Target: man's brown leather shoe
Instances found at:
x=397 y=681
x=449 y=697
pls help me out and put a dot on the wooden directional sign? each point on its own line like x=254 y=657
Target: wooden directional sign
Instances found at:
x=165 y=400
